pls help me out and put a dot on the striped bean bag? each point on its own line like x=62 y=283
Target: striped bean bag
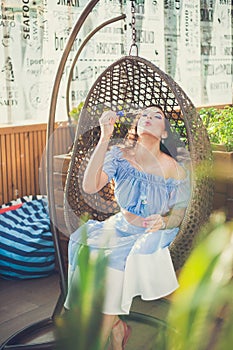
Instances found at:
x=26 y=244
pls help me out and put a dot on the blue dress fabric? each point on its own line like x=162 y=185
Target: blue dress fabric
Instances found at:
x=140 y=262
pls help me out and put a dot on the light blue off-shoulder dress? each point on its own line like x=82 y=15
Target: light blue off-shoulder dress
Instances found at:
x=139 y=263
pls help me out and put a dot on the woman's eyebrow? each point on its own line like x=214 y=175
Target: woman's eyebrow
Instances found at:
x=158 y=113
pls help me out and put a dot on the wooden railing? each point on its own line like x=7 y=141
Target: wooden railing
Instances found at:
x=22 y=158
x=22 y=161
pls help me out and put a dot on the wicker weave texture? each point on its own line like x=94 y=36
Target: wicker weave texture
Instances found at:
x=131 y=83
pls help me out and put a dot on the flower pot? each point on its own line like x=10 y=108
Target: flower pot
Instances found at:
x=218 y=147
x=223 y=179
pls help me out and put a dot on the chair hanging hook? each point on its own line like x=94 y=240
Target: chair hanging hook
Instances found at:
x=131 y=49
x=134 y=31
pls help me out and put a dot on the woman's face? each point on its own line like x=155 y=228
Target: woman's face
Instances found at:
x=152 y=122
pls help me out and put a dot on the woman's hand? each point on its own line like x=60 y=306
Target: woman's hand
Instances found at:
x=107 y=121
x=154 y=223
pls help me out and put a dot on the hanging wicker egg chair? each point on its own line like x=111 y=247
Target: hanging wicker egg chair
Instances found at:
x=134 y=82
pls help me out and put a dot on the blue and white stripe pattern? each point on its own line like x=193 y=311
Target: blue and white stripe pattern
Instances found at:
x=26 y=243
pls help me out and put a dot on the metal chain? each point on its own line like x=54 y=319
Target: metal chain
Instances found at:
x=134 y=31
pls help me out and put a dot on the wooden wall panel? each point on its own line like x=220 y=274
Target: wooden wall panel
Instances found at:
x=22 y=158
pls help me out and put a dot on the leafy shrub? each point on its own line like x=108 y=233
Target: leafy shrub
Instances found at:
x=219 y=125
x=75 y=112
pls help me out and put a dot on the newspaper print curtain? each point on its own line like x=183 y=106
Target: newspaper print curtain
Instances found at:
x=191 y=41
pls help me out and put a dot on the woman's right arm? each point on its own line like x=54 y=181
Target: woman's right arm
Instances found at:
x=94 y=178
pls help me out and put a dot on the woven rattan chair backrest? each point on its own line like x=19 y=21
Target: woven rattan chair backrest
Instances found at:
x=133 y=82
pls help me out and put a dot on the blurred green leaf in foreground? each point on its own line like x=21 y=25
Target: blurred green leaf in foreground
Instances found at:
x=201 y=311
x=201 y=314
x=79 y=328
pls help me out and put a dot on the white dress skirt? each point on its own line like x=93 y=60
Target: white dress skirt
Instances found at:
x=139 y=263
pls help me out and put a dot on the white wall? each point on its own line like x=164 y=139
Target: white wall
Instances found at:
x=190 y=40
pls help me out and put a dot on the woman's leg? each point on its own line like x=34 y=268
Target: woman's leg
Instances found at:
x=107 y=324
x=116 y=329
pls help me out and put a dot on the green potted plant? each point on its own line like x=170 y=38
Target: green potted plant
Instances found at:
x=219 y=125
x=75 y=112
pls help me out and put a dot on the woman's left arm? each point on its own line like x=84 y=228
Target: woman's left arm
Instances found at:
x=179 y=198
x=158 y=222
x=178 y=203
x=174 y=218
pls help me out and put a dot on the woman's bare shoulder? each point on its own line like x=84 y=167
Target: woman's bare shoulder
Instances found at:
x=181 y=172
x=175 y=170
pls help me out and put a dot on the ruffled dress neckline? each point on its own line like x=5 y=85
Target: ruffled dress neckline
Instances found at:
x=148 y=176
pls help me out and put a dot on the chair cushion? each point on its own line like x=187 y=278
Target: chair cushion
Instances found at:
x=26 y=243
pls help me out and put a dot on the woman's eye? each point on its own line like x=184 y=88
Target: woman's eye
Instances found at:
x=158 y=116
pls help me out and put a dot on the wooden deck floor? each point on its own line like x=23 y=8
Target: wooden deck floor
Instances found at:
x=25 y=302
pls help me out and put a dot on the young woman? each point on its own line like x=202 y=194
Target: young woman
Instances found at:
x=152 y=190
